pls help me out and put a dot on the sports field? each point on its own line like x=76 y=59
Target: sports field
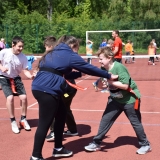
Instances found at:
x=120 y=143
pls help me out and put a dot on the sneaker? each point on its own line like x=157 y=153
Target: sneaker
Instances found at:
x=35 y=158
x=144 y=149
x=95 y=86
x=50 y=136
x=93 y=147
x=23 y=123
x=153 y=64
x=105 y=91
x=14 y=126
x=62 y=153
x=69 y=133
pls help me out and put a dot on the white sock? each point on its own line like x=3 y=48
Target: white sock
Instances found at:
x=34 y=158
x=58 y=149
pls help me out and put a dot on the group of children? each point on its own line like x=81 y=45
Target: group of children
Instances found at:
x=123 y=91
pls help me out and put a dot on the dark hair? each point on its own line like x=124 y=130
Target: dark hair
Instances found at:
x=50 y=41
x=116 y=31
x=64 y=39
x=17 y=39
x=68 y=40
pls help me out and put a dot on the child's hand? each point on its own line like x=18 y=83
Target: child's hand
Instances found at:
x=4 y=70
x=113 y=77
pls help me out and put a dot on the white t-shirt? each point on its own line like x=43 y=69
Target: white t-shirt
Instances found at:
x=14 y=63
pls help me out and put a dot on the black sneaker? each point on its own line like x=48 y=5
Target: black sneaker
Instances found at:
x=50 y=136
x=62 y=153
x=37 y=158
x=69 y=133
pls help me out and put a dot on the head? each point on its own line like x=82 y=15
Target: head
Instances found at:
x=104 y=40
x=105 y=55
x=49 y=43
x=71 y=41
x=17 y=45
x=153 y=40
x=115 y=34
x=3 y=40
x=110 y=42
x=151 y=44
x=128 y=41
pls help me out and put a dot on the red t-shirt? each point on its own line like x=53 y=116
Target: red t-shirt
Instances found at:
x=118 y=43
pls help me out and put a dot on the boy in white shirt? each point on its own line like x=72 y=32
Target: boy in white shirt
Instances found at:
x=12 y=63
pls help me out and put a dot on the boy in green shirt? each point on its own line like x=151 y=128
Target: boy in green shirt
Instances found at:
x=123 y=97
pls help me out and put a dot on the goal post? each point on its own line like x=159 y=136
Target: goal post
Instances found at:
x=141 y=38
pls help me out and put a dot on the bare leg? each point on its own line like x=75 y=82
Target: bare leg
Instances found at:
x=23 y=103
x=10 y=105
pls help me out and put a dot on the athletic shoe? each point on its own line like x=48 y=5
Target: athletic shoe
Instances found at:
x=105 y=91
x=62 y=153
x=92 y=147
x=149 y=62
x=14 y=126
x=23 y=123
x=95 y=86
x=153 y=64
x=35 y=158
x=69 y=133
x=50 y=136
x=144 y=149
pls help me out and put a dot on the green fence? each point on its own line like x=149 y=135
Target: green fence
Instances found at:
x=33 y=34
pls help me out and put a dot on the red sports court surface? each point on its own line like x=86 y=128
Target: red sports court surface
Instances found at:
x=120 y=143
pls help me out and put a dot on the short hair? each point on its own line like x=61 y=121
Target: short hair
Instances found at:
x=107 y=51
x=50 y=41
x=116 y=31
x=17 y=39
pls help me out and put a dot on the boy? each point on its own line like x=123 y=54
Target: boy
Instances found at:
x=124 y=96
x=12 y=63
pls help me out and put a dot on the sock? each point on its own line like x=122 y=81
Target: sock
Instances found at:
x=23 y=117
x=12 y=119
x=58 y=149
x=34 y=158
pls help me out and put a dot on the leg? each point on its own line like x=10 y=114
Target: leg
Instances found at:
x=59 y=124
x=70 y=121
x=134 y=117
x=23 y=102
x=48 y=106
x=110 y=114
x=10 y=106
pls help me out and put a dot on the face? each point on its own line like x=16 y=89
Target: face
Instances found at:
x=17 y=49
x=104 y=61
x=76 y=48
x=48 y=48
x=114 y=35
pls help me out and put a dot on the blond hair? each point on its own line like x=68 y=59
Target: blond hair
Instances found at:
x=106 y=51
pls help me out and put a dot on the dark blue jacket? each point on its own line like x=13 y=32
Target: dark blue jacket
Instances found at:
x=63 y=59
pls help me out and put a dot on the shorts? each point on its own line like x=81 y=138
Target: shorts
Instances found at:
x=6 y=86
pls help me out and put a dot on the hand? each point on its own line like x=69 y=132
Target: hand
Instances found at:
x=35 y=72
x=32 y=77
x=114 y=77
x=4 y=70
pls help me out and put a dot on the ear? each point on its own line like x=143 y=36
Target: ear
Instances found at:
x=13 y=45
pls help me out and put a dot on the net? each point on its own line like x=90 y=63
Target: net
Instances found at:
x=140 y=70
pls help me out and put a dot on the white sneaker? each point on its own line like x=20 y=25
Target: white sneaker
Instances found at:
x=14 y=126
x=144 y=149
x=25 y=125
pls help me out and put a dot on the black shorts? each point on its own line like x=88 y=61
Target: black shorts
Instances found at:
x=6 y=86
